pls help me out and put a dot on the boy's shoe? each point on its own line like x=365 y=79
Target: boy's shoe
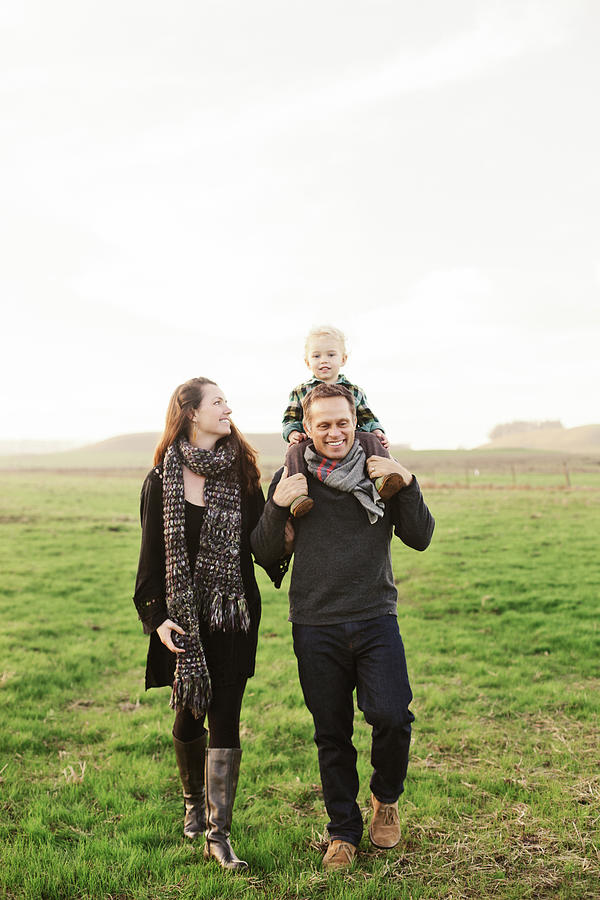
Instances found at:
x=300 y=506
x=388 y=485
x=384 y=830
x=340 y=855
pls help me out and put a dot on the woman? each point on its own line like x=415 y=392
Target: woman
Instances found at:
x=197 y=597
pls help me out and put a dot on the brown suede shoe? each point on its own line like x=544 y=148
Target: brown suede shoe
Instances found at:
x=340 y=855
x=384 y=830
x=301 y=505
x=388 y=485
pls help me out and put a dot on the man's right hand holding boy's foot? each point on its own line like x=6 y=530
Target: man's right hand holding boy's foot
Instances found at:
x=293 y=492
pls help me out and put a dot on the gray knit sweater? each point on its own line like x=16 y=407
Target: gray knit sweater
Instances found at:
x=342 y=568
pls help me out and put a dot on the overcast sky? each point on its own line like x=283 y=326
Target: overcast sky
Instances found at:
x=187 y=187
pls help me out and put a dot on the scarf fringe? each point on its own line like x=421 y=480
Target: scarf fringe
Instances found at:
x=227 y=613
x=193 y=692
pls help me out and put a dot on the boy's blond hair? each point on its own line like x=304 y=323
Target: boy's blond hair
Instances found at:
x=325 y=331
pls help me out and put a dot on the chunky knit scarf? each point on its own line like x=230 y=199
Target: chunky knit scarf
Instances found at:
x=347 y=474
x=214 y=592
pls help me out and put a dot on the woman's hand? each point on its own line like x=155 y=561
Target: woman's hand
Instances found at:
x=164 y=633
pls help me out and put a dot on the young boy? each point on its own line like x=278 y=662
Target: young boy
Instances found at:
x=325 y=354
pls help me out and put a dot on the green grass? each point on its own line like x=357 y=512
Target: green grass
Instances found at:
x=500 y=623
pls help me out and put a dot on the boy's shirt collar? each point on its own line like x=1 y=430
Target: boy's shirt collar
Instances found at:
x=341 y=379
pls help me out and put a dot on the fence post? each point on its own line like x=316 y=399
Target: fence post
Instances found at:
x=567 y=475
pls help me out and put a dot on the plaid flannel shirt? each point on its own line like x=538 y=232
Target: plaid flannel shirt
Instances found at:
x=292 y=417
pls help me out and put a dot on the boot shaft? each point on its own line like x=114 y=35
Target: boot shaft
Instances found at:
x=222 y=774
x=190 y=756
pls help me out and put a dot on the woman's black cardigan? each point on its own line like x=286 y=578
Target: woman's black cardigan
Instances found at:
x=229 y=655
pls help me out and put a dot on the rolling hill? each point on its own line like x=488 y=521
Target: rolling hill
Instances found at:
x=583 y=440
x=533 y=450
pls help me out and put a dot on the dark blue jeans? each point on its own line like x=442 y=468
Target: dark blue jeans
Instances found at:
x=332 y=661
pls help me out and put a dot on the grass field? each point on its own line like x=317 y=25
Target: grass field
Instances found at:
x=500 y=623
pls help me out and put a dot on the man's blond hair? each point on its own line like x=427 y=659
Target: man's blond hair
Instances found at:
x=326 y=331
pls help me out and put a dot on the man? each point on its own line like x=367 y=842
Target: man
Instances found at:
x=343 y=612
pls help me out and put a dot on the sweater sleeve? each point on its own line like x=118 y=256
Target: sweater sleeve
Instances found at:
x=292 y=417
x=268 y=538
x=412 y=521
x=366 y=419
x=275 y=570
x=149 y=595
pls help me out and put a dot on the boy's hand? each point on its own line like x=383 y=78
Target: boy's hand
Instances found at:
x=380 y=465
x=382 y=438
x=289 y=488
x=297 y=436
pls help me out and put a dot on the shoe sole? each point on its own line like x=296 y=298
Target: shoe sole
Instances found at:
x=391 y=485
x=383 y=846
x=302 y=506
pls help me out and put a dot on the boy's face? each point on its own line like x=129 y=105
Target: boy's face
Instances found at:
x=325 y=358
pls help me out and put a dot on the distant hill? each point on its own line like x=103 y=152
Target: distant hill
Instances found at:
x=145 y=442
x=130 y=451
x=127 y=452
x=12 y=448
x=585 y=439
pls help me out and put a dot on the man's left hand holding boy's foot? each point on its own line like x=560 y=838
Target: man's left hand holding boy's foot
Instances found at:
x=389 y=475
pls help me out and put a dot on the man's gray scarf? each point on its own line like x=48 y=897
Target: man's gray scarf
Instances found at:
x=347 y=474
x=214 y=593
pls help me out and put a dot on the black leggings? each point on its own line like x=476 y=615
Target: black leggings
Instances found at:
x=223 y=718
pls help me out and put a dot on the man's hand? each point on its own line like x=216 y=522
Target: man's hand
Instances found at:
x=289 y=488
x=381 y=435
x=380 y=465
x=297 y=436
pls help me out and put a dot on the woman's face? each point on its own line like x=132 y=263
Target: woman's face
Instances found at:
x=211 y=418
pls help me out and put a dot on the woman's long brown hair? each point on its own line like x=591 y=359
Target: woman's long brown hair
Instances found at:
x=187 y=397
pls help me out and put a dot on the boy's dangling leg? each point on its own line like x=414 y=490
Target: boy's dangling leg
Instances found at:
x=294 y=460
x=386 y=485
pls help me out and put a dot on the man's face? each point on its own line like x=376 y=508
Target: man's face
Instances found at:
x=331 y=426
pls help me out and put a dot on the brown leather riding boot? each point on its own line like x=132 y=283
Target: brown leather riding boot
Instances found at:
x=222 y=773
x=190 y=761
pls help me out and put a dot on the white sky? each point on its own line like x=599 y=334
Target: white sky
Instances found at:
x=187 y=187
